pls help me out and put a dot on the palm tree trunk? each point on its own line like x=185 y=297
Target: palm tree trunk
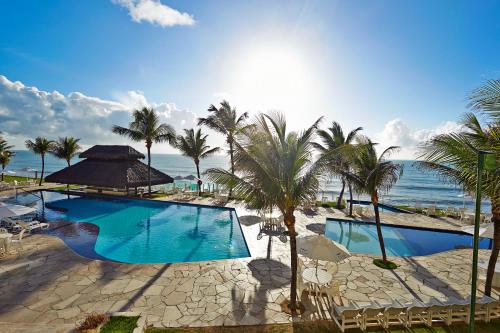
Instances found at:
x=341 y=194
x=198 y=173
x=3 y=170
x=67 y=185
x=289 y=220
x=379 y=227
x=149 y=168
x=231 y=153
x=495 y=209
x=350 y=197
x=43 y=169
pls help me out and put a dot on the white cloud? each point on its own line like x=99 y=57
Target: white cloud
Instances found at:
x=397 y=133
x=27 y=112
x=153 y=11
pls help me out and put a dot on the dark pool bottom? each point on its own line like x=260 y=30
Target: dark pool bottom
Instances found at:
x=361 y=237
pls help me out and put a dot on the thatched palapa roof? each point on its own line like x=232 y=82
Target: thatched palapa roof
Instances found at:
x=109 y=166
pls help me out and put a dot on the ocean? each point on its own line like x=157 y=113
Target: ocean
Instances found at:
x=415 y=186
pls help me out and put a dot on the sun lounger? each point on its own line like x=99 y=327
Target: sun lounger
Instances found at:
x=431 y=211
x=452 y=212
x=33 y=225
x=347 y=317
x=438 y=313
x=395 y=315
x=494 y=309
x=418 y=314
x=373 y=316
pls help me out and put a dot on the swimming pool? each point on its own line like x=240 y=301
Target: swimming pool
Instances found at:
x=361 y=237
x=143 y=231
x=382 y=207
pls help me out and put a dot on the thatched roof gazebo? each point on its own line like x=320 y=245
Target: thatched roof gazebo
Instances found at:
x=104 y=166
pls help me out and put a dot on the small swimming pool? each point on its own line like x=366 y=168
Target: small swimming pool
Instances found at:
x=402 y=241
x=382 y=207
x=143 y=231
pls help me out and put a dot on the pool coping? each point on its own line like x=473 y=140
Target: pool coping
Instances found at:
x=148 y=200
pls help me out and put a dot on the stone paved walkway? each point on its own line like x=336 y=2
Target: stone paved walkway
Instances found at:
x=48 y=284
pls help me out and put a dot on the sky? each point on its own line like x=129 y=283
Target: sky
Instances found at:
x=400 y=69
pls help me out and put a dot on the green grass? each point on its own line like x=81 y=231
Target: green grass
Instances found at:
x=120 y=324
x=385 y=265
x=10 y=179
x=325 y=327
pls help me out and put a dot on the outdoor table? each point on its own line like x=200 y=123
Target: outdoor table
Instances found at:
x=5 y=241
x=496 y=274
x=317 y=276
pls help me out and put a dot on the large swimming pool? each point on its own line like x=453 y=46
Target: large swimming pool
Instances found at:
x=143 y=231
x=361 y=237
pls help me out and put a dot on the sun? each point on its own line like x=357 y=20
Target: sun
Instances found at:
x=273 y=78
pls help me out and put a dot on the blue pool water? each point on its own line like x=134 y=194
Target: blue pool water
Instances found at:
x=361 y=237
x=142 y=231
x=382 y=207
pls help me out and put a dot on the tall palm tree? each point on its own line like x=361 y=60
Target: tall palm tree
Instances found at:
x=5 y=157
x=372 y=174
x=147 y=127
x=274 y=168
x=454 y=156
x=41 y=147
x=66 y=149
x=226 y=121
x=334 y=142
x=194 y=145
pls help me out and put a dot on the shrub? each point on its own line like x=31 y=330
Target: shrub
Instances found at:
x=92 y=322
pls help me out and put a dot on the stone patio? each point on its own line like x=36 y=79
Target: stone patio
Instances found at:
x=48 y=284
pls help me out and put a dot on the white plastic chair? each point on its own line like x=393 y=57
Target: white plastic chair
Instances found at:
x=17 y=241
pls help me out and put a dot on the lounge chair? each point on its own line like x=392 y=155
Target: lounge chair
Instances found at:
x=451 y=212
x=418 y=314
x=494 y=310
x=438 y=313
x=373 y=316
x=347 y=317
x=33 y=225
x=396 y=315
x=358 y=210
x=431 y=211
x=11 y=225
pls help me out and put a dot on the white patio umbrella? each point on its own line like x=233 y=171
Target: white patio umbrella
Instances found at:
x=318 y=247
x=486 y=230
x=9 y=210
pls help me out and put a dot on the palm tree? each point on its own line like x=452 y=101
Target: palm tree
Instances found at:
x=66 y=148
x=454 y=156
x=333 y=143
x=147 y=127
x=41 y=146
x=4 y=145
x=194 y=145
x=372 y=174
x=5 y=157
x=274 y=168
x=226 y=121
x=486 y=99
